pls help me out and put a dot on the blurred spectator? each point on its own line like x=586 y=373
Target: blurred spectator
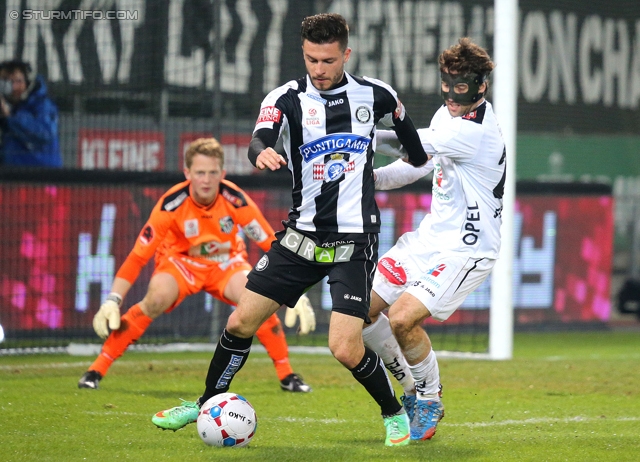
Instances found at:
x=28 y=118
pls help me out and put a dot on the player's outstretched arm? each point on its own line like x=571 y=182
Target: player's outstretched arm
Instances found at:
x=398 y=174
x=108 y=316
x=410 y=140
x=261 y=152
x=388 y=144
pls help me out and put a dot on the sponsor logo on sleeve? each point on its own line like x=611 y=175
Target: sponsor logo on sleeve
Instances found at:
x=255 y=231
x=269 y=114
x=146 y=236
x=399 y=112
x=235 y=200
x=169 y=206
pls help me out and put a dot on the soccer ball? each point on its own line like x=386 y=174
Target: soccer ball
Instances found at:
x=227 y=420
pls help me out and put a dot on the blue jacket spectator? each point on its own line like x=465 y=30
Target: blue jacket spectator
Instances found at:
x=28 y=118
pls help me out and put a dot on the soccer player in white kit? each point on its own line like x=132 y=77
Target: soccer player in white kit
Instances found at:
x=430 y=271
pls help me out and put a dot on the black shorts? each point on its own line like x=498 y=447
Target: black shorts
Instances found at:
x=297 y=261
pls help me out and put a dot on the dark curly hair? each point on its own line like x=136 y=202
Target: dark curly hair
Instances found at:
x=325 y=28
x=465 y=58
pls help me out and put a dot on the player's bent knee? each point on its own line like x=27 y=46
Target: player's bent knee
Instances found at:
x=154 y=308
x=402 y=322
x=346 y=354
x=241 y=327
x=346 y=357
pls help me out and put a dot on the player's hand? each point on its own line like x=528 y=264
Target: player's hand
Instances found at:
x=304 y=311
x=270 y=159
x=108 y=316
x=5 y=109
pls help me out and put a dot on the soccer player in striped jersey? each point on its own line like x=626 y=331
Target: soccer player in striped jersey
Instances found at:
x=327 y=121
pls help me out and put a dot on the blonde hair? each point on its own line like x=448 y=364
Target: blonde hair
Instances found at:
x=209 y=147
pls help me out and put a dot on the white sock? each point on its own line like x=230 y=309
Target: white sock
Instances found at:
x=379 y=338
x=427 y=377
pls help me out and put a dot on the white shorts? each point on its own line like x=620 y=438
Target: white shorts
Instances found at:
x=440 y=282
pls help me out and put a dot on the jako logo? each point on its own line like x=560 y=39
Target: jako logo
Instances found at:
x=336 y=102
x=436 y=270
x=235 y=415
x=352 y=297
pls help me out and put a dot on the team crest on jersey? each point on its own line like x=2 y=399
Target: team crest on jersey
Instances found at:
x=438 y=176
x=332 y=170
x=191 y=228
x=226 y=224
x=363 y=114
x=262 y=263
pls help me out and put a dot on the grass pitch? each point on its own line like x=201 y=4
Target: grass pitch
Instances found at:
x=564 y=396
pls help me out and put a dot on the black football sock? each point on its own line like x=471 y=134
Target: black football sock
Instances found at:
x=230 y=355
x=373 y=376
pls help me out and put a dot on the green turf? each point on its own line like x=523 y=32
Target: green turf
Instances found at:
x=564 y=396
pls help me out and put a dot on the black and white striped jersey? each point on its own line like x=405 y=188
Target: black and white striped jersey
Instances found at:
x=329 y=138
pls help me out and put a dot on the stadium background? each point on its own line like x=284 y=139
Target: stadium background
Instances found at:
x=133 y=92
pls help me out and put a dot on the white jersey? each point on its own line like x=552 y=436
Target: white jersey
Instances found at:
x=469 y=166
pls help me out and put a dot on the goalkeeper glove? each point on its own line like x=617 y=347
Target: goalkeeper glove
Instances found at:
x=304 y=311
x=108 y=314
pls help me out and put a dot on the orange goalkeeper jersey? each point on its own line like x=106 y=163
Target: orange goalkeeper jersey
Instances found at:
x=209 y=235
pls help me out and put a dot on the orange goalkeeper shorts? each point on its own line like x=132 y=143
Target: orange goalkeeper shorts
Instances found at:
x=193 y=276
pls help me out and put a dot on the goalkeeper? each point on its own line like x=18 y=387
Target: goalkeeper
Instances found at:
x=193 y=232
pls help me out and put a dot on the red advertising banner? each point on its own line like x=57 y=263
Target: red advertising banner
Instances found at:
x=136 y=150
x=63 y=245
x=60 y=244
